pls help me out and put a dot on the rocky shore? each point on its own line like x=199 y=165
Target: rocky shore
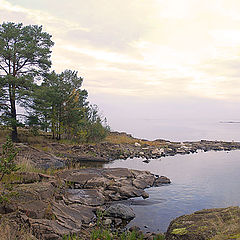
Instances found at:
x=57 y=155
x=53 y=207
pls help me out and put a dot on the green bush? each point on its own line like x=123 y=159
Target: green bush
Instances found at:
x=8 y=155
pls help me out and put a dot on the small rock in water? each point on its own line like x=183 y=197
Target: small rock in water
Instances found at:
x=146 y=161
x=145 y=195
x=161 y=180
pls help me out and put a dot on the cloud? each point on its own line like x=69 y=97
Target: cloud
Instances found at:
x=142 y=48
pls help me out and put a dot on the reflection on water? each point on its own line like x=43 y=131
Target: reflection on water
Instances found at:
x=203 y=180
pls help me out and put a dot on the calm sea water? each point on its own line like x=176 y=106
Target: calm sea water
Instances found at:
x=202 y=180
x=184 y=129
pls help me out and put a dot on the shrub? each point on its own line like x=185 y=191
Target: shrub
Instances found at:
x=7 y=164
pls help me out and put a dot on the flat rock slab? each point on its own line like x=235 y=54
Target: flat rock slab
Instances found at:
x=120 y=211
x=49 y=229
x=116 y=173
x=90 y=197
x=219 y=223
x=110 y=184
x=34 y=209
x=34 y=191
x=52 y=207
x=86 y=213
x=62 y=220
x=38 y=158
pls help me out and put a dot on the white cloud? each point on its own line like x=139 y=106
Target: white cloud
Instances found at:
x=154 y=46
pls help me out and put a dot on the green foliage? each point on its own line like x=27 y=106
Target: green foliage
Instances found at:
x=6 y=194
x=105 y=233
x=159 y=237
x=70 y=237
x=58 y=104
x=7 y=164
x=24 y=55
x=102 y=232
x=61 y=105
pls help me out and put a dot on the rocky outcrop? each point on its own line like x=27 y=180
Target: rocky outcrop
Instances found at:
x=38 y=158
x=56 y=155
x=221 y=223
x=97 y=186
x=51 y=207
x=120 y=211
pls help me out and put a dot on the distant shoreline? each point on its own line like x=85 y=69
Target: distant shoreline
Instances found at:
x=230 y=122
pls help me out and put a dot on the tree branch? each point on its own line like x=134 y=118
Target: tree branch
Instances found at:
x=3 y=69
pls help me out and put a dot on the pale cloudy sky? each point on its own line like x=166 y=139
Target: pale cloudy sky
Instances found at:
x=145 y=59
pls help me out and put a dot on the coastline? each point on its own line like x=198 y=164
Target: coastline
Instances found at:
x=75 y=190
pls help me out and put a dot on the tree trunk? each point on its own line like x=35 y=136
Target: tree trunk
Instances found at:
x=14 y=134
x=13 y=114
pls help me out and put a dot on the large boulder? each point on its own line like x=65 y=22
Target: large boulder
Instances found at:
x=214 y=224
x=120 y=211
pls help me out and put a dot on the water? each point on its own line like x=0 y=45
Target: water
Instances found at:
x=202 y=180
x=184 y=129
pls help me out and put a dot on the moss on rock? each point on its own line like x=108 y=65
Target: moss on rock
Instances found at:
x=214 y=224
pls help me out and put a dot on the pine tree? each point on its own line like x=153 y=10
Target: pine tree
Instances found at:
x=24 y=55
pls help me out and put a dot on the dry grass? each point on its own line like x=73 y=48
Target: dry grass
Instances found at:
x=228 y=231
x=42 y=140
x=25 y=165
x=120 y=139
x=25 y=135
x=10 y=230
x=123 y=138
x=4 y=132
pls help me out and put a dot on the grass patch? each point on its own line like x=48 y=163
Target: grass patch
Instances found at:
x=120 y=138
x=10 y=230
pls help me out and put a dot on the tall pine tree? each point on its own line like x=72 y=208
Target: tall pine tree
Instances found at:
x=24 y=55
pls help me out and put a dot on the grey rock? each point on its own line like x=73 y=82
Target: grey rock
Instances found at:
x=161 y=180
x=120 y=211
x=107 y=221
x=90 y=197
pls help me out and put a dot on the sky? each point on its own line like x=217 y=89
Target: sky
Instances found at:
x=151 y=66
